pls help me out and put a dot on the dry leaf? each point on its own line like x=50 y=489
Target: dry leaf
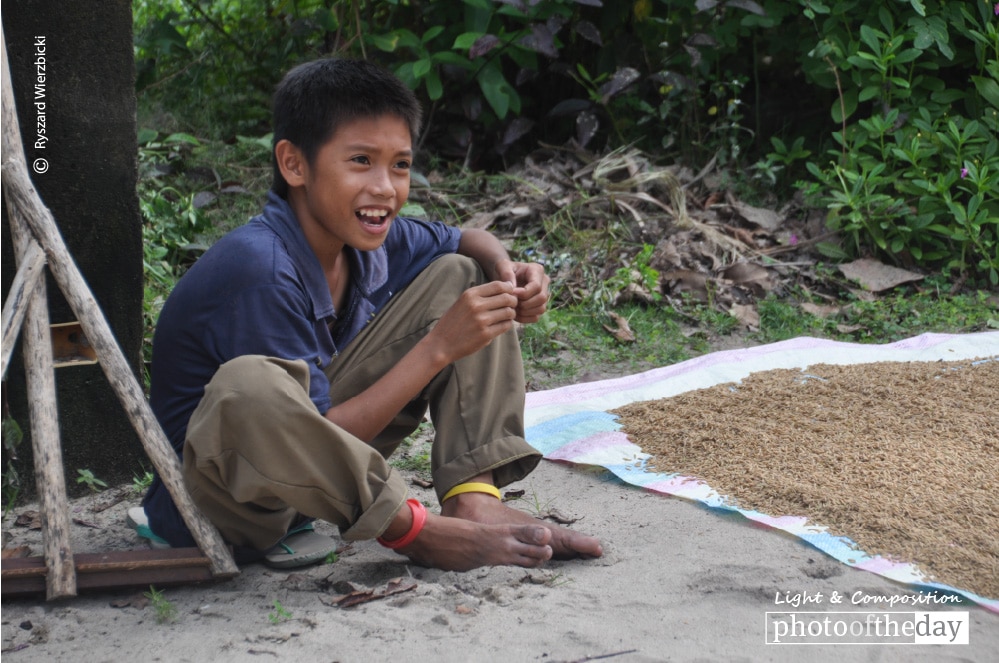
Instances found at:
x=684 y=280
x=764 y=218
x=820 y=310
x=741 y=234
x=746 y=315
x=623 y=331
x=359 y=596
x=16 y=552
x=558 y=517
x=877 y=276
x=749 y=274
x=633 y=292
x=29 y=519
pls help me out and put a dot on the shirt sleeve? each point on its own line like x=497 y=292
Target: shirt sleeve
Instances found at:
x=275 y=321
x=421 y=242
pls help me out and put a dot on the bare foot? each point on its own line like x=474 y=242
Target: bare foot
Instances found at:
x=486 y=509
x=454 y=544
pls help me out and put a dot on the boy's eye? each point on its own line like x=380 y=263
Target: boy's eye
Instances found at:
x=361 y=159
x=404 y=165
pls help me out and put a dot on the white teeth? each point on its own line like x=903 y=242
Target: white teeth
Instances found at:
x=372 y=213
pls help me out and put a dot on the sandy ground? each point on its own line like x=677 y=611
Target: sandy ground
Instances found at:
x=678 y=583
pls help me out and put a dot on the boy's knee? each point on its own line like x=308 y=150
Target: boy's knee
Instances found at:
x=255 y=377
x=456 y=269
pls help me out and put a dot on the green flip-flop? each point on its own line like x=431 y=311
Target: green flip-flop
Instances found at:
x=137 y=520
x=302 y=546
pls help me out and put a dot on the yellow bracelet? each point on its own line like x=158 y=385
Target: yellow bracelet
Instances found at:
x=486 y=488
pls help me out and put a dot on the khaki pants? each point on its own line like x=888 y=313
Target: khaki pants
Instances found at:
x=259 y=457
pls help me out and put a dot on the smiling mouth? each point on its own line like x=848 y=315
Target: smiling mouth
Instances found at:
x=372 y=217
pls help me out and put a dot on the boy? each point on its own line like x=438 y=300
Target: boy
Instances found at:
x=298 y=352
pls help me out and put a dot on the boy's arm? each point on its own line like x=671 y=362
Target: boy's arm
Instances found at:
x=529 y=279
x=481 y=314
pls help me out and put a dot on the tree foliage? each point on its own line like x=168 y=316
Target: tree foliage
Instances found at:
x=886 y=113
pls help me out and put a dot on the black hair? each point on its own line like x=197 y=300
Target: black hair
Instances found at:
x=314 y=99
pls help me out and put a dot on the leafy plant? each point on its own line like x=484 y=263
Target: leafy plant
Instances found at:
x=141 y=484
x=172 y=221
x=87 y=478
x=916 y=175
x=166 y=612
x=280 y=613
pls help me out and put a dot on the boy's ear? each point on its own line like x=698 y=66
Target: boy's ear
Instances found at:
x=291 y=162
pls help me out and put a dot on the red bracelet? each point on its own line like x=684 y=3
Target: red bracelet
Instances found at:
x=419 y=520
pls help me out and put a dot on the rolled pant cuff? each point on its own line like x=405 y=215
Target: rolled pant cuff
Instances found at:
x=379 y=514
x=510 y=459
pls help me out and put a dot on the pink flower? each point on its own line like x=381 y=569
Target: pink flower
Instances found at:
x=996 y=9
x=964 y=173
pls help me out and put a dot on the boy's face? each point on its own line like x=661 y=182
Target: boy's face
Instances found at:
x=356 y=184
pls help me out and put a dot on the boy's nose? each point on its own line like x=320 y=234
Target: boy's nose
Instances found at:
x=381 y=184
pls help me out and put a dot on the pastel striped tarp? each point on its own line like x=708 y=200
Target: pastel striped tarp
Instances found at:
x=573 y=424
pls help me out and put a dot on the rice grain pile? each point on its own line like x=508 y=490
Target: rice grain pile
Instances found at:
x=901 y=457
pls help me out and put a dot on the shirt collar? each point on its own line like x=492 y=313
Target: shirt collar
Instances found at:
x=279 y=217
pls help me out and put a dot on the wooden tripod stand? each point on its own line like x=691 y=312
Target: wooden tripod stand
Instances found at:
x=38 y=244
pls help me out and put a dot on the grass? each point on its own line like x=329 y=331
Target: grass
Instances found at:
x=413 y=455
x=571 y=341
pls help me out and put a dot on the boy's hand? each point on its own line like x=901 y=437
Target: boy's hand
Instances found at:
x=481 y=314
x=530 y=287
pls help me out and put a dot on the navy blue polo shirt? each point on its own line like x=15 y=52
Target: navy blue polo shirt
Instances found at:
x=261 y=290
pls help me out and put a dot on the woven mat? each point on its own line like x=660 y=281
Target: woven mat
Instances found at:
x=575 y=424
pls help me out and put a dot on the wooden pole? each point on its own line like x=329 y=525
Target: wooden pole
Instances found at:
x=29 y=273
x=60 y=579
x=24 y=200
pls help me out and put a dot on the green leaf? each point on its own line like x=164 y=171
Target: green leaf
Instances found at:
x=421 y=68
x=988 y=89
x=465 y=40
x=496 y=89
x=181 y=137
x=147 y=136
x=387 y=43
x=451 y=58
x=849 y=104
x=918 y=6
x=869 y=92
x=873 y=38
x=435 y=89
x=431 y=33
x=929 y=31
x=949 y=96
x=830 y=250
x=908 y=55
